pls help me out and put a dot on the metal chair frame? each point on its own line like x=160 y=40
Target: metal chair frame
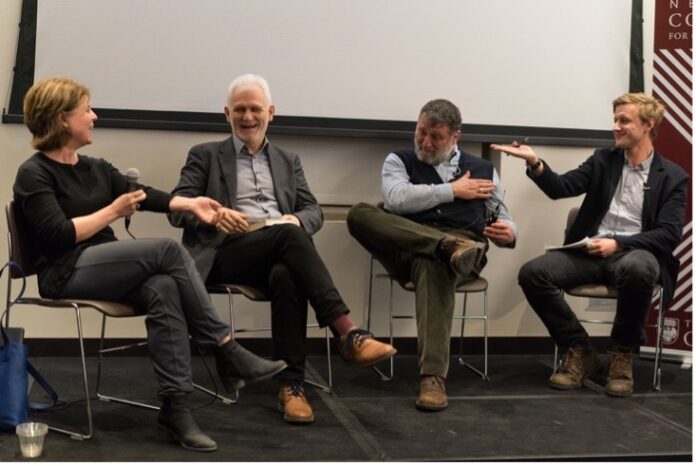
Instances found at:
x=601 y=291
x=254 y=294
x=479 y=285
x=24 y=257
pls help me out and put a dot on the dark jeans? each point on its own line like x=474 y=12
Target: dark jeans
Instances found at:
x=282 y=261
x=633 y=273
x=158 y=276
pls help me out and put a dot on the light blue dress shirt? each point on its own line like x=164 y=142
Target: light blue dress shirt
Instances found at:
x=255 y=191
x=403 y=197
x=625 y=214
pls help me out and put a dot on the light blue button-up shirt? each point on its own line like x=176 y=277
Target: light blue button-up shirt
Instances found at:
x=403 y=197
x=625 y=214
x=255 y=191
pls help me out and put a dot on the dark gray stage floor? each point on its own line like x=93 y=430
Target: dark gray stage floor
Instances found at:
x=514 y=416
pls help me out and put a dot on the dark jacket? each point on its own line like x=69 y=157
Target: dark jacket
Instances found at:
x=211 y=170
x=664 y=205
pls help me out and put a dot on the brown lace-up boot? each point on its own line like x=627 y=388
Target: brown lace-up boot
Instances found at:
x=620 y=378
x=359 y=348
x=293 y=404
x=578 y=364
x=461 y=253
x=432 y=394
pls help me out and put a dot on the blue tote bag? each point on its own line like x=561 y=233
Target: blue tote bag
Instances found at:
x=14 y=367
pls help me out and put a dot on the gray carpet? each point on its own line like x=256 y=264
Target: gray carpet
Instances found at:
x=514 y=416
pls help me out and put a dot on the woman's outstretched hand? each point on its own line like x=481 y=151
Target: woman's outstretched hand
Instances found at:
x=206 y=209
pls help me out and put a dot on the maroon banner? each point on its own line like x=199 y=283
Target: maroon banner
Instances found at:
x=672 y=83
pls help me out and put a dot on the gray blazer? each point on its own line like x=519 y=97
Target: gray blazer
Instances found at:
x=211 y=170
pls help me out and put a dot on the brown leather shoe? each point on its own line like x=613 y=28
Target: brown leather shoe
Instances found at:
x=462 y=253
x=620 y=378
x=432 y=395
x=293 y=404
x=578 y=364
x=359 y=348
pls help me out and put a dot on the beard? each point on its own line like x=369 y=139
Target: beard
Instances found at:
x=435 y=158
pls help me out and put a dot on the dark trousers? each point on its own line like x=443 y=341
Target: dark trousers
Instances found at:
x=633 y=273
x=282 y=261
x=158 y=276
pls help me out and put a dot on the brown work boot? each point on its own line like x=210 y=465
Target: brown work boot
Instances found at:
x=462 y=253
x=620 y=378
x=432 y=395
x=578 y=364
x=293 y=404
x=359 y=348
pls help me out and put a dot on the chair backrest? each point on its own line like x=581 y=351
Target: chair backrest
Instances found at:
x=572 y=214
x=17 y=235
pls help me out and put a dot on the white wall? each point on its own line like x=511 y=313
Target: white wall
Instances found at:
x=333 y=166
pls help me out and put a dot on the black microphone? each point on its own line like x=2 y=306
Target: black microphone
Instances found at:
x=132 y=175
x=646 y=187
x=492 y=215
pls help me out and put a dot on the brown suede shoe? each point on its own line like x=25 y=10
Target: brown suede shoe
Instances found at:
x=293 y=404
x=432 y=395
x=578 y=364
x=462 y=253
x=620 y=378
x=359 y=348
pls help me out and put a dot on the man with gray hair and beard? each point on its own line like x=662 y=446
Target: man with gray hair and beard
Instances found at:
x=441 y=206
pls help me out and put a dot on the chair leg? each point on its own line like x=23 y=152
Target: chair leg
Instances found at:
x=369 y=294
x=382 y=375
x=485 y=335
x=225 y=400
x=100 y=361
x=230 y=307
x=484 y=374
x=328 y=359
x=74 y=434
x=657 y=373
x=109 y=398
x=461 y=331
x=326 y=388
x=556 y=360
x=100 y=354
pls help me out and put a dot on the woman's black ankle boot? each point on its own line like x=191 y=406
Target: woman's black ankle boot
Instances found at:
x=236 y=365
x=175 y=417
